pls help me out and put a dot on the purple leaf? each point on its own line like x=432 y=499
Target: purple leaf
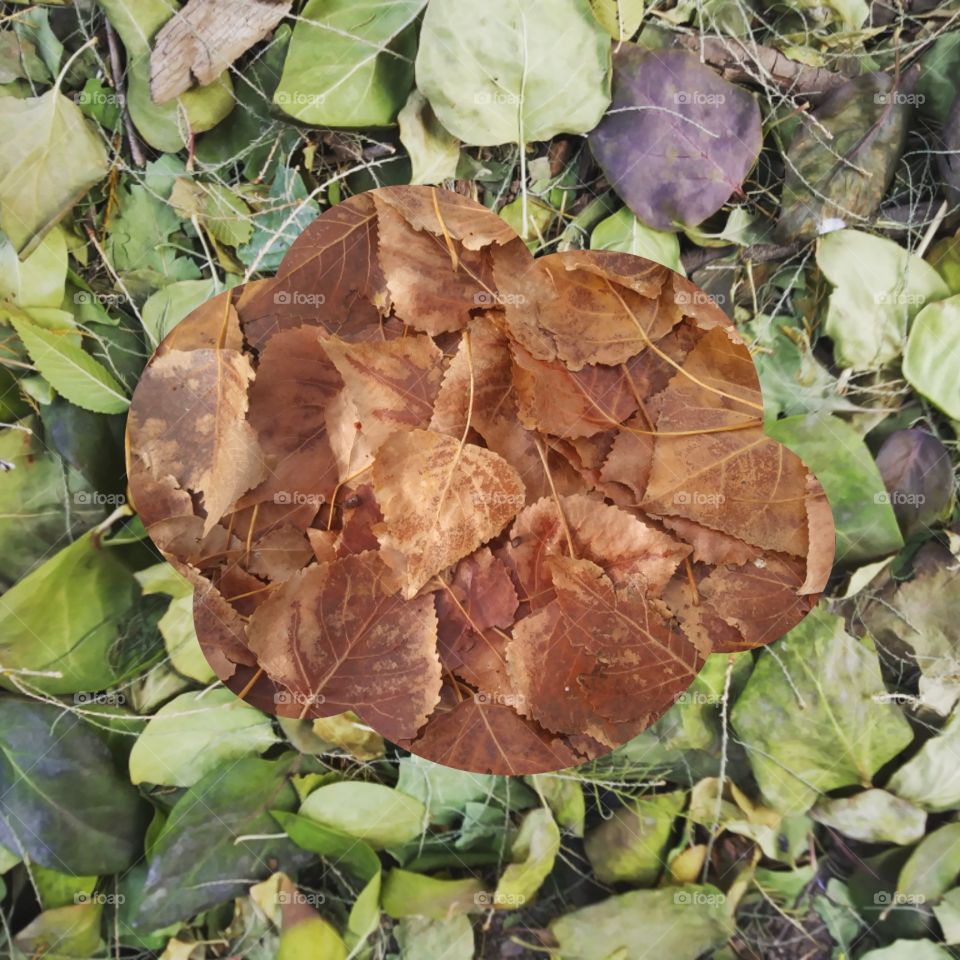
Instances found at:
x=917 y=473
x=678 y=139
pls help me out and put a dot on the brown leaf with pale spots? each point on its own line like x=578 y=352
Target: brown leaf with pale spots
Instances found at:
x=439 y=211
x=392 y=385
x=760 y=599
x=330 y=276
x=483 y=736
x=822 y=535
x=440 y=501
x=339 y=637
x=190 y=423
x=711 y=546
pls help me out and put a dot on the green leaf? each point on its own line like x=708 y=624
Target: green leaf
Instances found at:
x=933 y=866
x=533 y=852
x=196 y=732
x=423 y=939
x=60 y=889
x=682 y=922
x=369 y=811
x=408 y=894
x=630 y=846
x=36 y=186
x=349 y=62
x=866 y=524
x=310 y=937
x=64 y=933
x=931 y=363
x=70 y=370
x=814 y=717
x=199 y=861
x=342 y=850
x=42 y=500
x=873 y=816
x=931 y=778
x=624 y=233
x=445 y=791
x=939 y=67
x=523 y=72
x=908 y=950
x=564 y=797
x=64 y=802
x=39 y=279
x=620 y=18
x=434 y=153
x=63 y=620
x=878 y=288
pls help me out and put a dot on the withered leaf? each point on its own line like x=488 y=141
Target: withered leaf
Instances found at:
x=440 y=501
x=190 y=423
x=621 y=658
x=488 y=737
x=473 y=611
x=712 y=461
x=392 y=385
x=570 y=403
x=339 y=637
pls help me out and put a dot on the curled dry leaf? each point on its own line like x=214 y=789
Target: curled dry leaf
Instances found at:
x=501 y=508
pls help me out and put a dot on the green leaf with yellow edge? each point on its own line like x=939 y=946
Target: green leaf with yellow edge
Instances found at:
x=533 y=852
x=423 y=939
x=631 y=845
x=408 y=894
x=64 y=933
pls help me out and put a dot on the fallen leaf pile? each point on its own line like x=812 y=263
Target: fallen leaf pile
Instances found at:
x=502 y=508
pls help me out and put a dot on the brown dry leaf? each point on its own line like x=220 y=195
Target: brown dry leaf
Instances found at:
x=392 y=385
x=214 y=324
x=822 y=535
x=360 y=521
x=712 y=462
x=629 y=551
x=483 y=736
x=443 y=212
x=203 y=39
x=190 y=426
x=473 y=611
x=339 y=637
x=330 y=276
x=585 y=316
x=570 y=403
x=220 y=629
x=440 y=501
x=616 y=655
x=760 y=599
x=425 y=292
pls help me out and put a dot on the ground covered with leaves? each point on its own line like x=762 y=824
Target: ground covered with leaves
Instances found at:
x=797 y=161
